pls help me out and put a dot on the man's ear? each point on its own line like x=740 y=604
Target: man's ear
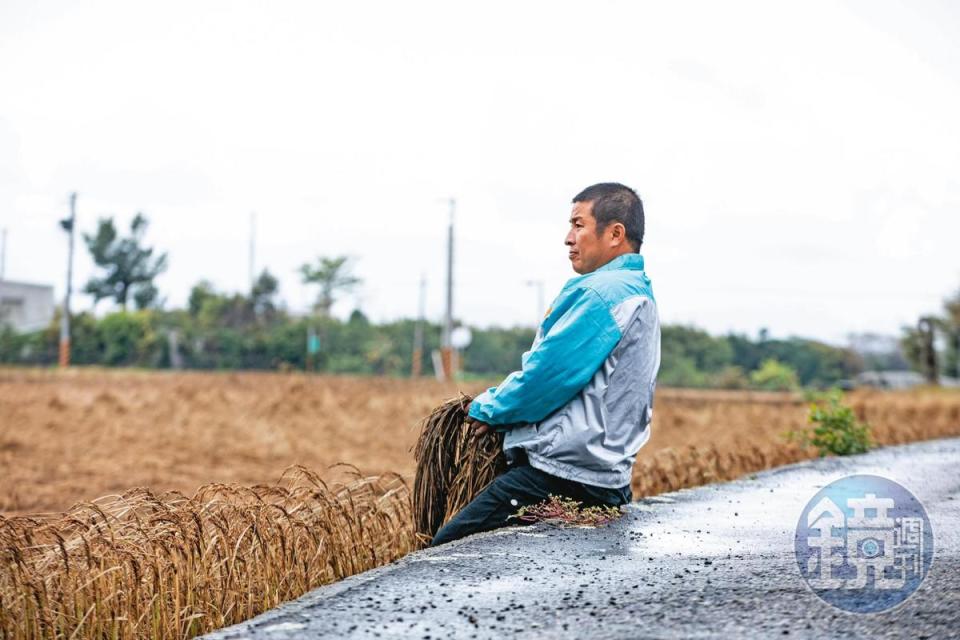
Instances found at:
x=618 y=233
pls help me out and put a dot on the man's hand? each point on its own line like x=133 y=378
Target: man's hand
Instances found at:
x=479 y=428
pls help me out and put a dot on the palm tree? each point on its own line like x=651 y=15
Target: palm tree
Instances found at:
x=333 y=276
x=128 y=266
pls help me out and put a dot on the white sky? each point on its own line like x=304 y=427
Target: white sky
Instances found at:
x=798 y=161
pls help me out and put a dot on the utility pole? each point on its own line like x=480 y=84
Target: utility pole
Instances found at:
x=446 y=345
x=417 y=367
x=68 y=225
x=253 y=236
x=539 y=285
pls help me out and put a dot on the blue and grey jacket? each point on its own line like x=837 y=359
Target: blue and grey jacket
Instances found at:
x=585 y=389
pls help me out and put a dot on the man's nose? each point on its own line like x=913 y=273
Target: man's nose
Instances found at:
x=570 y=239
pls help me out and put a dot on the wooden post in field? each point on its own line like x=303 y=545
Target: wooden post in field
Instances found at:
x=68 y=225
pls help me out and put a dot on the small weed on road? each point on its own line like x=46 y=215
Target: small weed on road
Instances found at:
x=564 y=511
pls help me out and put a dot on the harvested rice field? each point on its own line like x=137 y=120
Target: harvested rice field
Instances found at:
x=147 y=505
x=78 y=435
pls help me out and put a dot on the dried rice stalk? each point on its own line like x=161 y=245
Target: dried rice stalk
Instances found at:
x=148 y=565
x=452 y=466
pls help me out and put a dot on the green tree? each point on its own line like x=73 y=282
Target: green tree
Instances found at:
x=211 y=309
x=225 y=331
x=14 y=347
x=147 y=296
x=262 y=295
x=332 y=276
x=730 y=378
x=707 y=353
x=920 y=350
x=129 y=266
x=919 y=343
x=680 y=371
x=200 y=294
x=815 y=363
x=495 y=352
x=775 y=376
x=950 y=326
x=129 y=339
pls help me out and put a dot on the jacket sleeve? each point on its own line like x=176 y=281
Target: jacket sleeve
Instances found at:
x=557 y=367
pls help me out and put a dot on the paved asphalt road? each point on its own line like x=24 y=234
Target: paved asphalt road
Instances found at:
x=716 y=561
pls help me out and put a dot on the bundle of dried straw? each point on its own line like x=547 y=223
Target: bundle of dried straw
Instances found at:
x=453 y=466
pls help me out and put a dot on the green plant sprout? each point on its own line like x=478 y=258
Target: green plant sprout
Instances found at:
x=837 y=430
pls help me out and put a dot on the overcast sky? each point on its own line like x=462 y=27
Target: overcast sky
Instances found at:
x=798 y=161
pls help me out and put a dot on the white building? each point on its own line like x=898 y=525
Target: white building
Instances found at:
x=25 y=307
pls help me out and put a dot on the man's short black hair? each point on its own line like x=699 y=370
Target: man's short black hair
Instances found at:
x=614 y=202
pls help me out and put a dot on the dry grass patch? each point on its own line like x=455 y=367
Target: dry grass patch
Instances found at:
x=158 y=564
x=170 y=566
x=713 y=436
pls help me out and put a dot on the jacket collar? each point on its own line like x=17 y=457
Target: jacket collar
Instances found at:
x=630 y=261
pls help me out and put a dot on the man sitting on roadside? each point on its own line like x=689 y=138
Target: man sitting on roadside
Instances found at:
x=579 y=409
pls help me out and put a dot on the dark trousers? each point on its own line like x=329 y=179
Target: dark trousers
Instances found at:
x=522 y=485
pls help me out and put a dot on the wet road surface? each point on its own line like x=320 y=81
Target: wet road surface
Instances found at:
x=716 y=561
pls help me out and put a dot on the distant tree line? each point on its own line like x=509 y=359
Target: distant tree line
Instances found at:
x=693 y=358
x=229 y=331
x=235 y=331
x=220 y=330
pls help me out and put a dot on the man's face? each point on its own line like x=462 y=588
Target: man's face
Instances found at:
x=588 y=251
